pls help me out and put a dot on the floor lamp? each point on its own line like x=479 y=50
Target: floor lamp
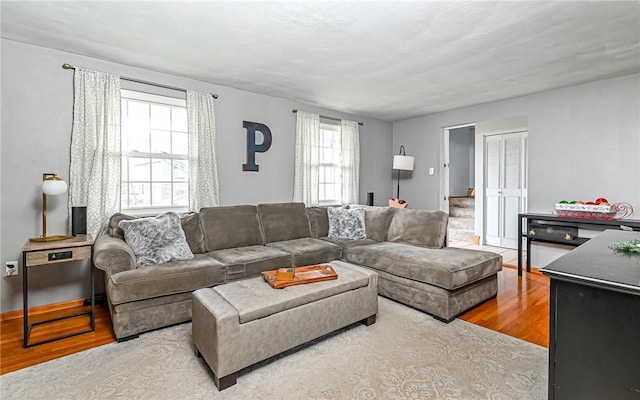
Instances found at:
x=402 y=162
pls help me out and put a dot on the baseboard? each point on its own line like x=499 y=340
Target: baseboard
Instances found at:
x=9 y=315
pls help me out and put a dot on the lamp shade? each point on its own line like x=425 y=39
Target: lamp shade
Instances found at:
x=53 y=186
x=404 y=163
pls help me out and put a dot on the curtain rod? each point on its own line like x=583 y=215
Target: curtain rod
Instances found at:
x=69 y=66
x=331 y=118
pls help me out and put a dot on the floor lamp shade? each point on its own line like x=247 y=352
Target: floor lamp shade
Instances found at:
x=404 y=163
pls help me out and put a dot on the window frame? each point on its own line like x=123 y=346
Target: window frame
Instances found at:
x=134 y=95
x=336 y=165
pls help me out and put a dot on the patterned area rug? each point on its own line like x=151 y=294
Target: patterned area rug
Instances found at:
x=406 y=354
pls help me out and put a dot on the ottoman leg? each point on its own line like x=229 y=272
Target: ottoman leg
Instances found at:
x=225 y=381
x=369 y=321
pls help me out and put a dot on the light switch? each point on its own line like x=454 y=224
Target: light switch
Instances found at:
x=431 y=171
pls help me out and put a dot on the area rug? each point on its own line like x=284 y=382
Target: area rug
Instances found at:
x=406 y=354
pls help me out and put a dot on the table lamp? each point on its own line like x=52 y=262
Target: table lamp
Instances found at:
x=52 y=185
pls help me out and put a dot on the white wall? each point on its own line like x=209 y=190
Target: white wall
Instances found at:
x=584 y=143
x=37 y=105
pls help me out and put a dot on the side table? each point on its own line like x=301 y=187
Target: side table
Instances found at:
x=41 y=254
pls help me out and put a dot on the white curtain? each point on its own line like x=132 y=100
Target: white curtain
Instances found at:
x=94 y=173
x=307 y=159
x=350 y=143
x=203 y=164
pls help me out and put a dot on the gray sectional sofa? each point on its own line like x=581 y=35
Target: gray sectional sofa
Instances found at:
x=405 y=247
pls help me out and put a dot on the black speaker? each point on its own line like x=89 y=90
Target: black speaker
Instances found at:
x=370 y=198
x=78 y=221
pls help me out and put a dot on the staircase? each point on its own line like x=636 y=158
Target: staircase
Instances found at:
x=461 y=218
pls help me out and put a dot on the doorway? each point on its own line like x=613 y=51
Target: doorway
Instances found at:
x=460 y=168
x=495 y=217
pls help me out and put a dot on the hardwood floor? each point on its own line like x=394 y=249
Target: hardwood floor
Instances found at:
x=521 y=309
x=14 y=357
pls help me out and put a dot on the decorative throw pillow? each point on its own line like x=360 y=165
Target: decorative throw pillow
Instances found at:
x=346 y=223
x=156 y=240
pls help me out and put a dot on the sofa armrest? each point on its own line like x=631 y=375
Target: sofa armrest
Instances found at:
x=113 y=255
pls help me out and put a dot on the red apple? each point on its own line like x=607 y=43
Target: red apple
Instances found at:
x=601 y=200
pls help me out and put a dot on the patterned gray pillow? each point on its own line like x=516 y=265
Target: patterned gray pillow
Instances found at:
x=156 y=240
x=346 y=223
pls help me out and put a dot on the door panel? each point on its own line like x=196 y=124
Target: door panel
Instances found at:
x=505 y=192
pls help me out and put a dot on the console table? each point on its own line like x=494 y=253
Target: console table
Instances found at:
x=594 y=321
x=555 y=221
x=42 y=254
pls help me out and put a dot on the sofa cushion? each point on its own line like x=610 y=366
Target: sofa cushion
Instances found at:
x=449 y=268
x=346 y=223
x=319 y=221
x=309 y=251
x=156 y=240
x=421 y=227
x=377 y=221
x=254 y=298
x=230 y=226
x=162 y=280
x=193 y=232
x=283 y=221
x=244 y=262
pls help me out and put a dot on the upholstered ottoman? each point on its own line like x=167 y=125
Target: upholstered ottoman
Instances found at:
x=241 y=323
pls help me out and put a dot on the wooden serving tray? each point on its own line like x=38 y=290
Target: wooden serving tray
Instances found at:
x=301 y=275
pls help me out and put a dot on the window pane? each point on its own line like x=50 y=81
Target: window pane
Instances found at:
x=160 y=141
x=137 y=127
x=139 y=169
x=160 y=116
x=139 y=194
x=179 y=119
x=161 y=195
x=329 y=175
x=161 y=169
x=180 y=143
x=180 y=170
x=330 y=191
x=180 y=194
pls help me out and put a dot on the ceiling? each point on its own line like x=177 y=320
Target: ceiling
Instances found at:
x=387 y=60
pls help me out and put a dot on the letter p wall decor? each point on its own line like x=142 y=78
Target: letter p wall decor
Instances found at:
x=252 y=146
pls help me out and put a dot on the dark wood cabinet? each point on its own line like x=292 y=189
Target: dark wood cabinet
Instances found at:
x=594 y=336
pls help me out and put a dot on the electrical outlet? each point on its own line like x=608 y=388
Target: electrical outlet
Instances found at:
x=11 y=268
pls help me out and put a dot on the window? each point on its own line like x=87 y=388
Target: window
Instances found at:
x=330 y=170
x=155 y=147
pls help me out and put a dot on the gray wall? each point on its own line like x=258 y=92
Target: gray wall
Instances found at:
x=37 y=104
x=584 y=143
x=461 y=160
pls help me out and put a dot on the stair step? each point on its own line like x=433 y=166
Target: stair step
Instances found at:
x=462 y=202
x=462 y=212
x=462 y=235
x=462 y=223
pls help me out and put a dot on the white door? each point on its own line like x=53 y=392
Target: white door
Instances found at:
x=505 y=187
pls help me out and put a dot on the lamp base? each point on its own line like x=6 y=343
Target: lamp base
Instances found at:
x=52 y=238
